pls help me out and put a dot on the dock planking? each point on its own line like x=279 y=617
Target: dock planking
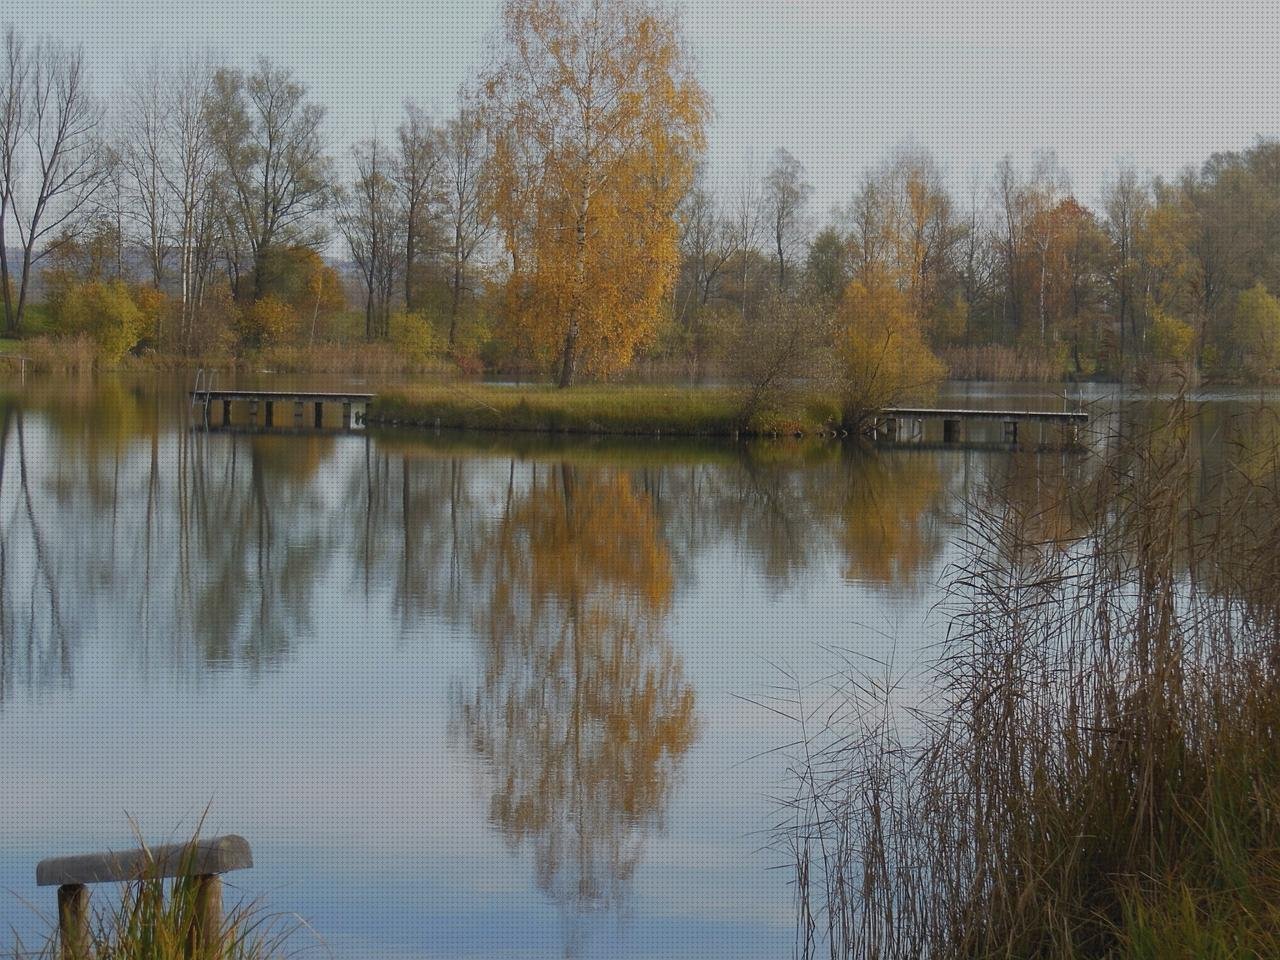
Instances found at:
x=1042 y=416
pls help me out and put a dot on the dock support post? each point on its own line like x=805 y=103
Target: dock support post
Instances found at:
x=297 y=413
x=205 y=932
x=1011 y=431
x=73 y=921
x=346 y=415
x=950 y=431
x=891 y=428
x=319 y=413
x=226 y=413
x=270 y=413
x=253 y=412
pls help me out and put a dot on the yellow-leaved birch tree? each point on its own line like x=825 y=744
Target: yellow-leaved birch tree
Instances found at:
x=596 y=121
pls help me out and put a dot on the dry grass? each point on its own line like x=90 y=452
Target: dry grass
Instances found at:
x=1094 y=772
x=602 y=409
x=1003 y=363
x=74 y=356
x=354 y=358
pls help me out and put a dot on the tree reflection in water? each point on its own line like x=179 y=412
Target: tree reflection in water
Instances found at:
x=583 y=712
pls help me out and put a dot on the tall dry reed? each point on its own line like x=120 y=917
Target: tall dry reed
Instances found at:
x=1095 y=769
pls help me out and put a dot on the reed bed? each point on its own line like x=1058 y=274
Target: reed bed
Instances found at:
x=1003 y=363
x=1094 y=770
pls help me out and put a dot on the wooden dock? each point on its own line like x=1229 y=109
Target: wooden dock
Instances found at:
x=888 y=424
x=267 y=400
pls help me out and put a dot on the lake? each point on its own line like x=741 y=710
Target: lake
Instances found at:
x=466 y=695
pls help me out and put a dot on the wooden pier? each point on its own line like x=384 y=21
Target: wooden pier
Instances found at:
x=889 y=423
x=267 y=400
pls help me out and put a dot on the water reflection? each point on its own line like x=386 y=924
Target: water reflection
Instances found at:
x=130 y=542
x=583 y=711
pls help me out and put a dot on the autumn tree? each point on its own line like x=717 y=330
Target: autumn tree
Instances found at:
x=1252 y=342
x=901 y=222
x=596 y=121
x=268 y=135
x=881 y=349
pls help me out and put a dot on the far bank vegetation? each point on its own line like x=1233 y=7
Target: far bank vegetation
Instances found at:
x=564 y=221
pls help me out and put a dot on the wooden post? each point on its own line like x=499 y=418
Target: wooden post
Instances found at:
x=346 y=414
x=73 y=921
x=297 y=413
x=270 y=412
x=1011 y=431
x=206 y=932
x=950 y=431
x=253 y=411
x=226 y=413
x=891 y=428
x=319 y=413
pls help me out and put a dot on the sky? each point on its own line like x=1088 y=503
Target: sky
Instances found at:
x=841 y=85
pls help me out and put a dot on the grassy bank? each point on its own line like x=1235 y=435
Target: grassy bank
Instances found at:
x=678 y=411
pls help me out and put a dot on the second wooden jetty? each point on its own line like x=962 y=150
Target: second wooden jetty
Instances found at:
x=267 y=400
x=887 y=425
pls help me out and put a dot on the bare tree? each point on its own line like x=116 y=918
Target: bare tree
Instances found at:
x=786 y=193
x=371 y=220
x=708 y=243
x=192 y=176
x=143 y=153
x=465 y=152
x=268 y=135
x=13 y=121
x=418 y=175
x=51 y=120
x=1126 y=202
x=745 y=225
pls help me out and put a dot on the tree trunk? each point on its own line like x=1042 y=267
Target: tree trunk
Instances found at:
x=569 y=357
x=456 y=302
x=10 y=314
x=410 y=242
x=22 y=288
x=260 y=273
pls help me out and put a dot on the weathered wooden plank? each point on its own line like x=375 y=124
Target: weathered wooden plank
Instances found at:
x=215 y=856
x=301 y=396
x=943 y=414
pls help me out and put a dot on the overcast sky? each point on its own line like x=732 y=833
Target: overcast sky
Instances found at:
x=840 y=84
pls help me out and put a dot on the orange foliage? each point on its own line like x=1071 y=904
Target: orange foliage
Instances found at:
x=596 y=121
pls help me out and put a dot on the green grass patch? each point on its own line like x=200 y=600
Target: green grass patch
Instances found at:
x=677 y=411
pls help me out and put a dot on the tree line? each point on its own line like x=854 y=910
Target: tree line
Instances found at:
x=561 y=219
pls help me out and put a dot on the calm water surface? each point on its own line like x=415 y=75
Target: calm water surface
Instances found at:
x=467 y=696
